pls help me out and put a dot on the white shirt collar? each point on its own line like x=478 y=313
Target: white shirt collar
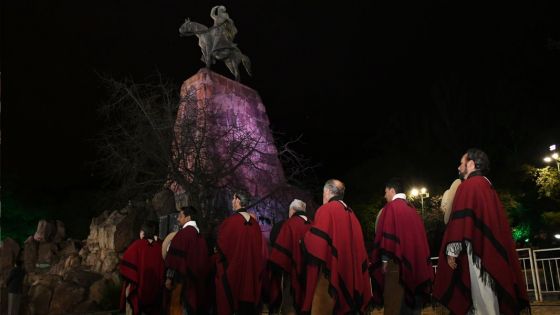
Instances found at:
x=399 y=196
x=193 y=224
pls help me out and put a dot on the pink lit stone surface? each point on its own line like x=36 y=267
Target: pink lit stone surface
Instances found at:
x=235 y=103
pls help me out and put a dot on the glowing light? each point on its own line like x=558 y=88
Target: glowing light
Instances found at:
x=552 y=147
x=557 y=236
x=555 y=156
x=414 y=192
x=521 y=232
x=548 y=159
x=423 y=190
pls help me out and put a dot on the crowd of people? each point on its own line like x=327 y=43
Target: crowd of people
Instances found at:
x=321 y=266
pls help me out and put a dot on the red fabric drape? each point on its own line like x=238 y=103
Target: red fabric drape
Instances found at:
x=287 y=254
x=335 y=242
x=400 y=235
x=239 y=269
x=142 y=267
x=479 y=218
x=188 y=255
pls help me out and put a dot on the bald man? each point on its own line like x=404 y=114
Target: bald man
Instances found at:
x=338 y=281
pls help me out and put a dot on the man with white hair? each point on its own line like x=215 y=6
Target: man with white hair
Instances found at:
x=287 y=257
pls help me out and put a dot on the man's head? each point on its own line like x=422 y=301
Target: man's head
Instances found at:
x=186 y=214
x=473 y=160
x=392 y=187
x=148 y=230
x=295 y=206
x=240 y=200
x=333 y=188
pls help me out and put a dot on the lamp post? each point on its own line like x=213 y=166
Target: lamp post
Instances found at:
x=553 y=157
x=422 y=193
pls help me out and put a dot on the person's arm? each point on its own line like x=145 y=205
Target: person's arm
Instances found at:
x=453 y=250
x=384 y=260
x=170 y=278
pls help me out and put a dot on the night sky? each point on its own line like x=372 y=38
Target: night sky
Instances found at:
x=375 y=88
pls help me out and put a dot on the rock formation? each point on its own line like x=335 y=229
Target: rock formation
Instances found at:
x=71 y=276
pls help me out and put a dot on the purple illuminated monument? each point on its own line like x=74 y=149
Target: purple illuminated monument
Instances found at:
x=224 y=143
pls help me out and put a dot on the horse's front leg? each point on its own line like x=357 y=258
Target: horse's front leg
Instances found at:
x=206 y=56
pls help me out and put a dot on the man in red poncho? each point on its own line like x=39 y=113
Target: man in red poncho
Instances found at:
x=401 y=267
x=188 y=264
x=479 y=269
x=337 y=274
x=287 y=256
x=142 y=268
x=239 y=268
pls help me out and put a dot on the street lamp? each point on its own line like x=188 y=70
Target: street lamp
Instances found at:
x=422 y=193
x=553 y=157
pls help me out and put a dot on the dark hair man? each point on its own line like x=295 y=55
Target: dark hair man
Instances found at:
x=142 y=269
x=239 y=269
x=479 y=269
x=336 y=249
x=401 y=270
x=188 y=264
x=287 y=255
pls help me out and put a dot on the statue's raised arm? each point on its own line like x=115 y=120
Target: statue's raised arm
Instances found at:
x=223 y=22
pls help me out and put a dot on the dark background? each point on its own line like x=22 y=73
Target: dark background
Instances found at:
x=375 y=88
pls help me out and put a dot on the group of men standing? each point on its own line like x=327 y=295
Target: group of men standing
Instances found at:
x=323 y=267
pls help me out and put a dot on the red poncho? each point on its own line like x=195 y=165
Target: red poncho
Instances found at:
x=142 y=267
x=271 y=283
x=288 y=255
x=188 y=255
x=240 y=265
x=400 y=235
x=335 y=242
x=478 y=217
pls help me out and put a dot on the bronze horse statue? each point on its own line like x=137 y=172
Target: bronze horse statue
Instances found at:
x=216 y=45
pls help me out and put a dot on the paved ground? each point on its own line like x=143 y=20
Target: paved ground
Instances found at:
x=537 y=308
x=542 y=308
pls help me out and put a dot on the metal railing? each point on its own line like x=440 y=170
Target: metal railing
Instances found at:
x=548 y=276
x=540 y=270
x=528 y=267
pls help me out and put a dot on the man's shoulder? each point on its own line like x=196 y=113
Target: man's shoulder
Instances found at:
x=398 y=208
x=186 y=232
x=403 y=204
x=153 y=244
x=136 y=244
x=236 y=216
x=335 y=205
x=475 y=183
x=295 y=222
x=475 y=180
x=394 y=204
x=326 y=209
x=332 y=211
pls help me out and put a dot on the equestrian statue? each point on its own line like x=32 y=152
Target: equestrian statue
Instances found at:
x=216 y=42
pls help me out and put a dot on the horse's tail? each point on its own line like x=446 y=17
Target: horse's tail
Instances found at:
x=246 y=63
